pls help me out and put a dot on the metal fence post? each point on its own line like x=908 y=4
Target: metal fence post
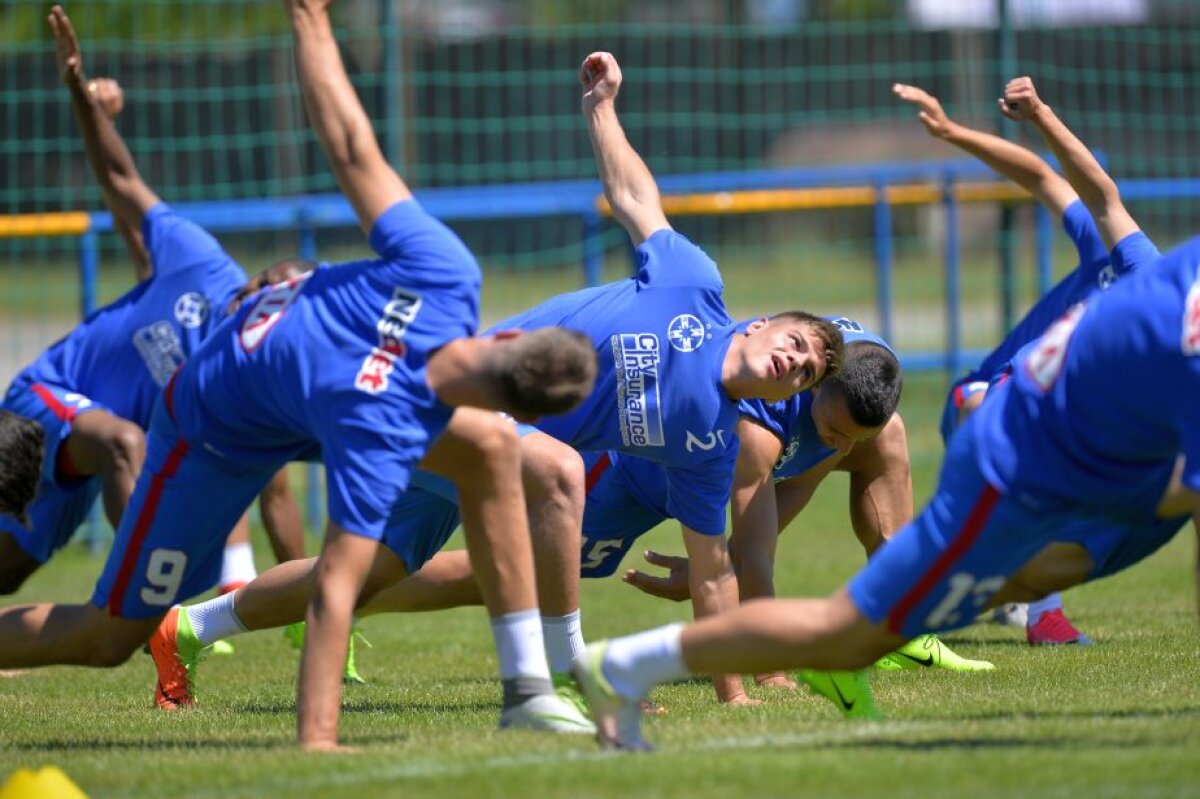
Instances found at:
x=883 y=260
x=954 y=355
x=313 y=507
x=1043 y=232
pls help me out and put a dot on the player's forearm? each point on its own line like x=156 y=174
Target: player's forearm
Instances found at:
x=326 y=639
x=334 y=110
x=1014 y=162
x=711 y=596
x=628 y=185
x=1082 y=170
x=110 y=159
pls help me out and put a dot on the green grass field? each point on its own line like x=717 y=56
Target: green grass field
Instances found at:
x=1119 y=719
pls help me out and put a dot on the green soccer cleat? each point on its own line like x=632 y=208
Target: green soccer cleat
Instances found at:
x=221 y=648
x=928 y=651
x=618 y=719
x=568 y=690
x=849 y=690
x=294 y=633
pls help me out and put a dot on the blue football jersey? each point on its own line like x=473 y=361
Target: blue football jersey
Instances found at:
x=123 y=354
x=660 y=339
x=1097 y=269
x=1097 y=410
x=334 y=361
x=791 y=419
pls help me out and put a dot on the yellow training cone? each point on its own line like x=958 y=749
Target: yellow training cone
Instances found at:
x=48 y=783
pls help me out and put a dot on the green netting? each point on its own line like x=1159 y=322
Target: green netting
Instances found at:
x=485 y=91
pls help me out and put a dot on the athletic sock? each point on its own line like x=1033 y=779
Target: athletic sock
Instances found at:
x=1036 y=609
x=237 y=565
x=636 y=663
x=564 y=640
x=519 y=647
x=215 y=619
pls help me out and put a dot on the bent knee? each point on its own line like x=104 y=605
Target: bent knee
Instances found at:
x=553 y=471
x=127 y=448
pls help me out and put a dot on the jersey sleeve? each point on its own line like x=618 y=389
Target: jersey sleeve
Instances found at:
x=697 y=495
x=407 y=235
x=1133 y=251
x=669 y=259
x=176 y=243
x=363 y=479
x=764 y=414
x=1081 y=229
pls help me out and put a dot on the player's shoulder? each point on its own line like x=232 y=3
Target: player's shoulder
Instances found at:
x=670 y=259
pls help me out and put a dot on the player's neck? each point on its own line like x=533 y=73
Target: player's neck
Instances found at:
x=458 y=375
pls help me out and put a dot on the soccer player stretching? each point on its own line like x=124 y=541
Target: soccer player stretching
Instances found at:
x=1108 y=247
x=360 y=365
x=1052 y=446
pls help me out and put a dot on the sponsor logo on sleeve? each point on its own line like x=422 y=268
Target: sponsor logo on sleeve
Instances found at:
x=267 y=312
x=1045 y=362
x=191 y=309
x=686 y=333
x=1191 y=321
x=159 y=346
x=398 y=314
x=635 y=357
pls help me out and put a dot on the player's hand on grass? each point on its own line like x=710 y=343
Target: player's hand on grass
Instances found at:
x=1020 y=100
x=931 y=114
x=601 y=78
x=673 y=586
x=778 y=680
x=66 y=46
x=741 y=700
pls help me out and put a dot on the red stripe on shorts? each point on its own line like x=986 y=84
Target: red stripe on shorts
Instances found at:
x=141 y=526
x=596 y=472
x=970 y=531
x=64 y=412
x=169 y=395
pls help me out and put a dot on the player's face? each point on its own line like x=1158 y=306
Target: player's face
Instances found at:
x=784 y=358
x=835 y=426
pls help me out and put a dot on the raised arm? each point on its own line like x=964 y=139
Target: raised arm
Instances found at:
x=1013 y=161
x=1097 y=190
x=126 y=194
x=337 y=116
x=628 y=184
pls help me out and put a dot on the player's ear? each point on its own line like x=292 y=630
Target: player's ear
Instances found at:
x=757 y=325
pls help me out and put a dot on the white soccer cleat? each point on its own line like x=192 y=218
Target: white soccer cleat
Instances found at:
x=618 y=719
x=547 y=713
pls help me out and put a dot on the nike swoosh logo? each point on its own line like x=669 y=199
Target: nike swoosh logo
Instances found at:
x=925 y=661
x=847 y=704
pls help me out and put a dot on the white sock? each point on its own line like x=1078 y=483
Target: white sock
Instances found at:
x=1036 y=609
x=214 y=619
x=237 y=566
x=564 y=640
x=519 y=646
x=636 y=663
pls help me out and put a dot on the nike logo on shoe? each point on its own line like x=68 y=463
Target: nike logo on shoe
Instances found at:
x=925 y=661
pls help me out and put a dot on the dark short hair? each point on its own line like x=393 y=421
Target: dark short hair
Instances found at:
x=829 y=334
x=21 y=450
x=870 y=381
x=546 y=371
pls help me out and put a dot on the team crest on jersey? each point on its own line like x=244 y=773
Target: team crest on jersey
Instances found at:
x=1191 y=321
x=639 y=414
x=1106 y=277
x=159 y=346
x=398 y=314
x=269 y=309
x=686 y=333
x=191 y=309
